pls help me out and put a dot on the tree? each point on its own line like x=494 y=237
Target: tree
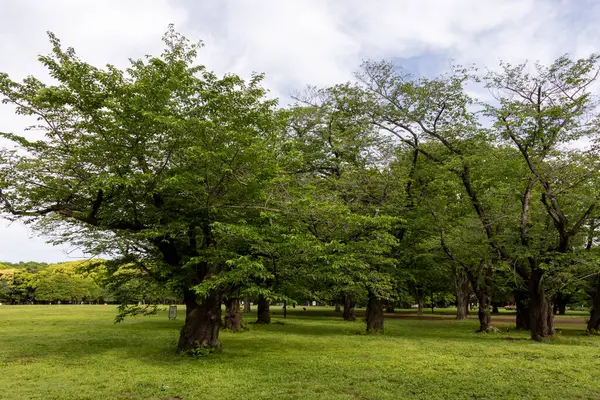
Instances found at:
x=57 y=286
x=463 y=241
x=540 y=113
x=23 y=287
x=5 y=284
x=594 y=321
x=537 y=114
x=343 y=162
x=141 y=163
x=432 y=118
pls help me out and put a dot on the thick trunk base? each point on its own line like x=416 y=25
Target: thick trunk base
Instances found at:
x=485 y=318
x=264 y=313
x=233 y=316
x=541 y=322
x=541 y=318
x=349 y=314
x=594 y=322
x=462 y=308
x=522 y=303
x=202 y=325
x=374 y=314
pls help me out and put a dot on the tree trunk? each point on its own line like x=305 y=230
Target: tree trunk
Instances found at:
x=349 y=305
x=338 y=307
x=461 y=289
x=264 y=313
x=522 y=302
x=233 y=316
x=560 y=303
x=420 y=304
x=540 y=308
x=462 y=308
x=495 y=308
x=432 y=303
x=594 y=322
x=389 y=307
x=202 y=323
x=483 y=313
x=247 y=307
x=483 y=291
x=374 y=314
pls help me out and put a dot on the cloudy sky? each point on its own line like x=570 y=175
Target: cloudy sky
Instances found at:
x=294 y=42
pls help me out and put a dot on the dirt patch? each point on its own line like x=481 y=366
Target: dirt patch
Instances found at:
x=561 y=321
x=437 y=317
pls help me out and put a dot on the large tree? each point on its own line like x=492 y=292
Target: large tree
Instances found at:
x=141 y=163
x=543 y=111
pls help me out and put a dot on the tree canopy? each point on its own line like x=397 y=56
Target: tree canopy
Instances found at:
x=388 y=189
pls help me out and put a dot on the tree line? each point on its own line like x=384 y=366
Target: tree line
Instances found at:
x=76 y=282
x=387 y=188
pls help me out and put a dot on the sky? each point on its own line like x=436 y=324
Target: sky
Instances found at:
x=295 y=43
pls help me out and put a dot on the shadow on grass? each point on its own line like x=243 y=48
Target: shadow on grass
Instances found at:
x=406 y=329
x=153 y=339
x=72 y=342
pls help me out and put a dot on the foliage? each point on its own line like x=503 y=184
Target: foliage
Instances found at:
x=384 y=189
x=58 y=286
x=140 y=163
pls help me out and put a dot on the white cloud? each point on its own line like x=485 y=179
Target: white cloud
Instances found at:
x=294 y=42
x=19 y=243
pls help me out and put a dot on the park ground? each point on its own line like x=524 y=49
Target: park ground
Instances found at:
x=77 y=352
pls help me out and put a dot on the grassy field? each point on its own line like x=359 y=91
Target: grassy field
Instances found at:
x=76 y=352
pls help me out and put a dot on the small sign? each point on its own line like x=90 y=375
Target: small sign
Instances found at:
x=172 y=312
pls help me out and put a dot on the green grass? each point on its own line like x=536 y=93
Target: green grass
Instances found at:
x=76 y=352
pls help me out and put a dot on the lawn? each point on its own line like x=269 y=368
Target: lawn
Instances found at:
x=76 y=352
